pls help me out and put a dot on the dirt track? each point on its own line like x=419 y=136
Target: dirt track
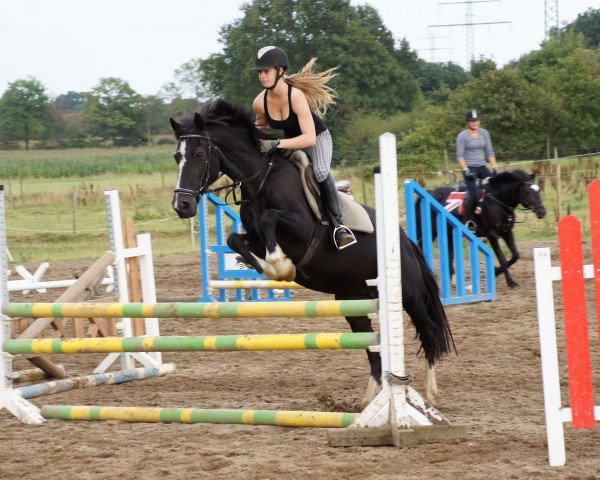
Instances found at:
x=493 y=387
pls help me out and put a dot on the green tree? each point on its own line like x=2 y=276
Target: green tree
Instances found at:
x=519 y=115
x=587 y=23
x=155 y=115
x=549 y=94
x=481 y=65
x=113 y=111
x=70 y=101
x=339 y=34
x=359 y=141
x=407 y=57
x=24 y=111
x=434 y=76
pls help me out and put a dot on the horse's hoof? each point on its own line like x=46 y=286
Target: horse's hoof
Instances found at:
x=373 y=388
x=513 y=284
x=291 y=275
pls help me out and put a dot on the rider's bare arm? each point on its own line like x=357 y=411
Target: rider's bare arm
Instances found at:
x=261 y=119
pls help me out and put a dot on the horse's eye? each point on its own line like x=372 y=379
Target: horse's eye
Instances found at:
x=200 y=154
x=177 y=157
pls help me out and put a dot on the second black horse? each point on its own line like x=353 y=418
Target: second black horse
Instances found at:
x=498 y=201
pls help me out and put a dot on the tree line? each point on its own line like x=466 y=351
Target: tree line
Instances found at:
x=111 y=114
x=548 y=97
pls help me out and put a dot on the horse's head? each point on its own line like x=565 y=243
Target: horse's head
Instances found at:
x=198 y=158
x=529 y=195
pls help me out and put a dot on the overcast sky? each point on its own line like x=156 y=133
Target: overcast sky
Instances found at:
x=71 y=44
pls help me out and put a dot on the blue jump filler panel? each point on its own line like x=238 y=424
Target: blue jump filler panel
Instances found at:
x=475 y=283
x=227 y=221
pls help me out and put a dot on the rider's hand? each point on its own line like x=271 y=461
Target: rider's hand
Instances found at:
x=267 y=146
x=468 y=174
x=494 y=170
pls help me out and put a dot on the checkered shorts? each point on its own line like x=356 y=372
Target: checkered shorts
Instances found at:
x=320 y=155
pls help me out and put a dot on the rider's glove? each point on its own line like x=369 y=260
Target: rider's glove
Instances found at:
x=468 y=174
x=267 y=146
x=495 y=170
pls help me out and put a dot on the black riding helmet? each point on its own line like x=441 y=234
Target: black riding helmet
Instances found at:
x=270 y=57
x=472 y=114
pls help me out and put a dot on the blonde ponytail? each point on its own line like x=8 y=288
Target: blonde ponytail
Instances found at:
x=320 y=96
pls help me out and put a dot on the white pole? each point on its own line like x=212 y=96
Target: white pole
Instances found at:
x=148 y=286
x=9 y=399
x=549 y=357
x=393 y=291
x=115 y=229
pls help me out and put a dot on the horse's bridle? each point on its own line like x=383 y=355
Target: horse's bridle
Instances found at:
x=534 y=208
x=203 y=189
x=510 y=209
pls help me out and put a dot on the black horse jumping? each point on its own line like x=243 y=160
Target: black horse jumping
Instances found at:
x=500 y=197
x=281 y=227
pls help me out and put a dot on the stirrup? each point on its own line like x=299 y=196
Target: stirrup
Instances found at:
x=348 y=231
x=471 y=225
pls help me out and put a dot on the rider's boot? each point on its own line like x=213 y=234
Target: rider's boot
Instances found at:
x=469 y=216
x=342 y=236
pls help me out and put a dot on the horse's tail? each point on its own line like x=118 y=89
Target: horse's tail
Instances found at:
x=418 y=221
x=434 y=333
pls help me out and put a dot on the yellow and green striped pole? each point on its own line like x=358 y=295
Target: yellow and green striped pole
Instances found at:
x=193 y=415
x=221 y=343
x=246 y=284
x=317 y=308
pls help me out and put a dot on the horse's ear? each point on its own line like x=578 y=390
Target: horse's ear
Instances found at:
x=199 y=121
x=175 y=126
x=532 y=176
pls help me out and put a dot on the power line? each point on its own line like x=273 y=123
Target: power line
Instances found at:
x=469 y=23
x=550 y=16
x=432 y=48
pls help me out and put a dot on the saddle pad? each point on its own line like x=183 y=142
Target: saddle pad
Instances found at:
x=455 y=200
x=355 y=217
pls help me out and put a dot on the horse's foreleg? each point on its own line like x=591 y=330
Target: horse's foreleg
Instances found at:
x=275 y=257
x=363 y=324
x=503 y=263
x=509 y=238
x=250 y=249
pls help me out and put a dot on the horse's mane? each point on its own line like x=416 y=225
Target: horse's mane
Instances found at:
x=220 y=111
x=512 y=176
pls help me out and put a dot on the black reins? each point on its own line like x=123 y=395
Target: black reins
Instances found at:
x=203 y=189
x=511 y=210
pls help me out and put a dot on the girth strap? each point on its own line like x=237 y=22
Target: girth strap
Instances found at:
x=314 y=243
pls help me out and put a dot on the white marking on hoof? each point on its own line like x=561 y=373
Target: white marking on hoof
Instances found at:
x=283 y=266
x=373 y=388
x=268 y=270
x=431 y=390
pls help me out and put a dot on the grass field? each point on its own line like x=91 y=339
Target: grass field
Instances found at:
x=61 y=218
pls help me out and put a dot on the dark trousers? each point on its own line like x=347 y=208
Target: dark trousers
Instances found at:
x=480 y=173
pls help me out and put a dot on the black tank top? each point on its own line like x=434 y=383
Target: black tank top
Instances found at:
x=291 y=126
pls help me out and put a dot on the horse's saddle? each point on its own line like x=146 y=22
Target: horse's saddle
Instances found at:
x=354 y=215
x=456 y=200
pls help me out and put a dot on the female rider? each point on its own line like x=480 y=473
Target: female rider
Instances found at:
x=473 y=150
x=295 y=105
